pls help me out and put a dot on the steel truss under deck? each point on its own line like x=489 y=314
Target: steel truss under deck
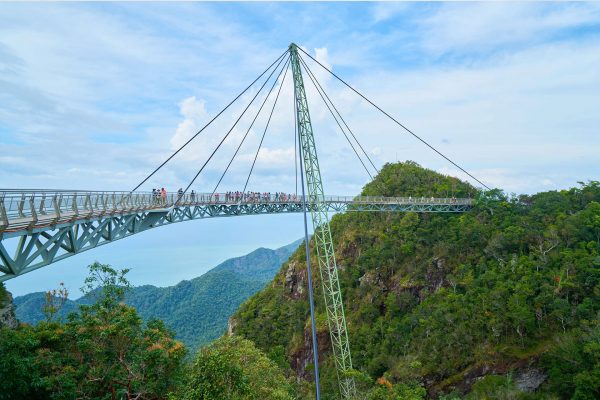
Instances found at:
x=50 y=226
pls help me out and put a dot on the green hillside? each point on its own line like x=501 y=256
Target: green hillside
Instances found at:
x=500 y=302
x=196 y=310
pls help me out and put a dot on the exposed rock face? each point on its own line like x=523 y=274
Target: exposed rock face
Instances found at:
x=525 y=375
x=349 y=249
x=303 y=356
x=436 y=274
x=294 y=280
x=7 y=312
x=529 y=379
x=231 y=324
x=372 y=278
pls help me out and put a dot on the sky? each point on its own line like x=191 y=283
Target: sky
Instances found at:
x=96 y=95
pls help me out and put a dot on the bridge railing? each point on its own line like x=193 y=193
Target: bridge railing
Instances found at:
x=30 y=206
x=23 y=208
x=399 y=200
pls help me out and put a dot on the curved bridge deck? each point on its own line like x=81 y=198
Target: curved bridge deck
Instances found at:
x=53 y=225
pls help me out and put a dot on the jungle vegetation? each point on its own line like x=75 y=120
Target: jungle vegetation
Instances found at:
x=438 y=301
x=441 y=306
x=196 y=310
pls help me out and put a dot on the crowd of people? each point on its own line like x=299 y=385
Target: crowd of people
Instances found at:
x=159 y=196
x=257 y=197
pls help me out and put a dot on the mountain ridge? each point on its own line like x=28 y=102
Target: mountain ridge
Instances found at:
x=450 y=305
x=196 y=309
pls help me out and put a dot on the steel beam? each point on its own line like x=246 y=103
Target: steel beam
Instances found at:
x=336 y=319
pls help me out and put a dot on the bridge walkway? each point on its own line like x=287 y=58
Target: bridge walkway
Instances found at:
x=49 y=226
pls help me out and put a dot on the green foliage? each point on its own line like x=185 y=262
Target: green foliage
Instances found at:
x=494 y=387
x=196 y=310
x=574 y=362
x=102 y=352
x=269 y=321
x=20 y=377
x=410 y=179
x=3 y=294
x=54 y=301
x=232 y=368
x=385 y=390
x=452 y=292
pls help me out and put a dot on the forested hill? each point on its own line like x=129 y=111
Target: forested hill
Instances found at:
x=197 y=310
x=499 y=302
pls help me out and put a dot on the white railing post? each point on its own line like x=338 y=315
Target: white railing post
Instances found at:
x=42 y=208
x=74 y=204
x=3 y=215
x=21 y=205
x=32 y=207
x=56 y=205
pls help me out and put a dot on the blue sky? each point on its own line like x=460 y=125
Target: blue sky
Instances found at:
x=94 y=96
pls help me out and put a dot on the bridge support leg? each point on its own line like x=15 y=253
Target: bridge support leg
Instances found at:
x=325 y=254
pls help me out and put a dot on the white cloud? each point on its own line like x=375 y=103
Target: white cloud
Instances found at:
x=276 y=157
x=194 y=112
x=91 y=96
x=385 y=10
x=322 y=56
x=547 y=182
x=487 y=25
x=114 y=91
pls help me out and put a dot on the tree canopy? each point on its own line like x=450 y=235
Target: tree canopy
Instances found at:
x=438 y=298
x=104 y=351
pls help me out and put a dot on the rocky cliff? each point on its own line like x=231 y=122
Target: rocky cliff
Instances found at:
x=7 y=310
x=487 y=304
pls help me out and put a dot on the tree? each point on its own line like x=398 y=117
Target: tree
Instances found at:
x=591 y=219
x=55 y=299
x=20 y=378
x=521 y=315
x=385 y=390
x=490 y=287
x=573 y=364
x=232 y=368
x=561 y=310
x=105 y=351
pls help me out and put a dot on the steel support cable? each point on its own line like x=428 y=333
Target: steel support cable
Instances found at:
x=251 y=124
x=312 y=76
x=228 y=133
x=211 y=121
x=395 y=120
x=338 y=113
x=338 y=123
x=265 y=131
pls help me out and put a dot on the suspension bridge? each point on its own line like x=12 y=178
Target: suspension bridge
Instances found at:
x=41 y=227
x=53 y=225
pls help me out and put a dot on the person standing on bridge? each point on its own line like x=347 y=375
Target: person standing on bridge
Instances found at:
x=163 y=195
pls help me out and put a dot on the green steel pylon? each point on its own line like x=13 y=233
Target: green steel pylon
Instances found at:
x=336 y=319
